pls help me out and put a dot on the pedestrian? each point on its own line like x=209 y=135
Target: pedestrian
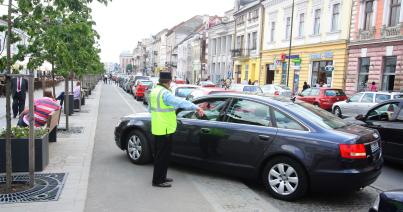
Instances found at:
x=61 y=98
x=373 y=87
x=77 y=91
x=249 y=82
x=19 y=88
x=43 y=107
x=306 y=86
x=163 y=125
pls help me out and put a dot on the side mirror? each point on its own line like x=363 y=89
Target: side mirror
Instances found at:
x=360 y=117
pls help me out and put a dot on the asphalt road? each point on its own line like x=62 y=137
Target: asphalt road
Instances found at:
x=115 y=184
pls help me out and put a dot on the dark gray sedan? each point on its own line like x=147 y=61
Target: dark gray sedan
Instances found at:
x=292 y=147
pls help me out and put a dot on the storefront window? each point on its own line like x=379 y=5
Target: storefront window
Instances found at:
x=389 y=72
x=284 y=73
x=319 y=75
x=363 y=74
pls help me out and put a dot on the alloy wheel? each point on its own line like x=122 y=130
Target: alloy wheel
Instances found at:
x=134 y=147
x=337 y=111
x=283 y=179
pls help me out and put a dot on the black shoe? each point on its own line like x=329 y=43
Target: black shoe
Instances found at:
x=168 y=180
x=162 y=185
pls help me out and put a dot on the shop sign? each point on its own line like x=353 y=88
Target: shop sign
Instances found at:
x=296 y=60
x=321 y=56
x=292 y=56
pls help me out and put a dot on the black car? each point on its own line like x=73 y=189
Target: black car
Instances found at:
x=387 y=118
x=388 y=201
x=292 y=147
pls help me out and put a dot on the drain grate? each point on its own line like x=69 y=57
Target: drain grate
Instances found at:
x=47 y=187
x=72 y=130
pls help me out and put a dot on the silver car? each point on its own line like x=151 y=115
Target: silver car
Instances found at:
x=361 y=102
x=246 y=88
x=276 y=90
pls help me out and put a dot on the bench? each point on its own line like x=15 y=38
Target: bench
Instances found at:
x=53 y=121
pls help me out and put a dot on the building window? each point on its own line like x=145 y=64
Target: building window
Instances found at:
x=389 y=73
x=335 y=17
x=368 y=13
x=301 y=25
x=394 y=12
x=218 y=45
x=246 y=72
x=319 y=74
x=316 y=23
x=364 y=63
x=272 y=31
x=254 y=40
x=288 y=28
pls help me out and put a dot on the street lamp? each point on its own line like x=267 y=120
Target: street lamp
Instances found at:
x=289 y=48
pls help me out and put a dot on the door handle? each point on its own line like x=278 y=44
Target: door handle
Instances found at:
x=205 y=130
x=264 y=137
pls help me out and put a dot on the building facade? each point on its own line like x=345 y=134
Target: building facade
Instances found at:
x=220 y=38
x=247 y=40
x=159 y=51
x=125 y=58
x=376 y=46
x=319 y=32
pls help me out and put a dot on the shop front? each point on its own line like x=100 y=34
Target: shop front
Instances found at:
x=245 y=70
x=318 y=65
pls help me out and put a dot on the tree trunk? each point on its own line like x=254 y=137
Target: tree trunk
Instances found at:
x=31 y=148
x=9 y=168
x=53 y=81
x=66 y=101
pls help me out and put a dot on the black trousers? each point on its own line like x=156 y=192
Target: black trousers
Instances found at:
x=18 y=103
x=163 y=149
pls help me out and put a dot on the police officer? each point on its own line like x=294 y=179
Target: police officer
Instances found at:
x=163 y=125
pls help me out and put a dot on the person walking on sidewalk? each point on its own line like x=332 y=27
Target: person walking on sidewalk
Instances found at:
x=163 y=125
x=19 y=88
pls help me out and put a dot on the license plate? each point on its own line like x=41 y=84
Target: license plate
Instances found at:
x=374 y=147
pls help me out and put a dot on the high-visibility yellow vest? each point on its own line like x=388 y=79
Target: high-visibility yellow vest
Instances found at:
x=163 y=117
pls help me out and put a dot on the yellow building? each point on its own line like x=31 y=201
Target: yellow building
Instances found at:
x=320 y=33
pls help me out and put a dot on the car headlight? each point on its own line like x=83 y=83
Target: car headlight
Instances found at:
x=376 y=203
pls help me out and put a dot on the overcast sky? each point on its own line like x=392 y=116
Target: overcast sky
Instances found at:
x=124 y=22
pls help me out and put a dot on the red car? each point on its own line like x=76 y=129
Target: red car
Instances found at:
x=322 y=97
x=140 y=87
x=203 y=91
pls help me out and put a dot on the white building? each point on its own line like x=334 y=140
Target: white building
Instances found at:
x=220 y=39
x=125 y=58
x=159 y=43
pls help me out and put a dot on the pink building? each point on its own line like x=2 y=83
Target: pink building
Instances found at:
x=376 y=46
x=125 y=58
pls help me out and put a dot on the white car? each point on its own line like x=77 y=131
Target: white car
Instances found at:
x=276 y=90
x=361 y=102
x=246 y=88
x=183 y=90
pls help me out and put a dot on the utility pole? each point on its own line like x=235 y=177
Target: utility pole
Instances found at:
x=289 y=48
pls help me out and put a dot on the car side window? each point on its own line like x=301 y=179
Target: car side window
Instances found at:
x=249 y=112
x=368 y=98
x=381 y=97
x=356 y=97
x=384 y=112
x=211 y=107
x=285 y=122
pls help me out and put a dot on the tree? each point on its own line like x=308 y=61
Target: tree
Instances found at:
x=129 y=68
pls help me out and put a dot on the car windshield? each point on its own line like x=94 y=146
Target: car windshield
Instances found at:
x=184 y=92
x=335 y=92
x=317 y=115
x=252 y=89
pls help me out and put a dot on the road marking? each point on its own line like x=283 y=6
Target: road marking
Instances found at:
x=124 y=99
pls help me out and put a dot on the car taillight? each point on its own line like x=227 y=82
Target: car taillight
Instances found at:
x=353 y=151
x=276 y=93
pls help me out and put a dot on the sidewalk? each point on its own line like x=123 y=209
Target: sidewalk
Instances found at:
x=72 y=155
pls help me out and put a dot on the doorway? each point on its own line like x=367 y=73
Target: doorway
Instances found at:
x=269 y=74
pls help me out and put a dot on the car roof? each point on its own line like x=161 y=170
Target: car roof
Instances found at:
x=186 y=85
x=275 y=100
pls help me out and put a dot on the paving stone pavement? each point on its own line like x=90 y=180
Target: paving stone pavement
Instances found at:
x=72 y=155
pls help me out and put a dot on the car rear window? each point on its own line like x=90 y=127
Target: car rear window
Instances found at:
x=252 y=89
x=335 y=92
x=398 y=96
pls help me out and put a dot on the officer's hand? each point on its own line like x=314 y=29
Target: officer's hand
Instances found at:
x=200 y=112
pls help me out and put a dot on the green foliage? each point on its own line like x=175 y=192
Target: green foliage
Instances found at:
x=23 y=132
x=129 y=67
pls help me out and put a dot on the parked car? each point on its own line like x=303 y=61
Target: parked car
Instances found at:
x=246 y=88
x=204 y=91
x=140 y=87
x=388 y=201
x=207 y=84
x=276 y=90
x=292 y=147
x=361 y=102
x=387 y=118
x=147 y=94
x=183 y=90
x=322 y=97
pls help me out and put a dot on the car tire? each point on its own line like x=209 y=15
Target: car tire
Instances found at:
x=137 y=148
x=287 y=183
x=316 y=104
x=144 y=102
x=337 y=112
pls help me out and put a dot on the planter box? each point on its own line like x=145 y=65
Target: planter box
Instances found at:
x=19 y=148
x=71 y=104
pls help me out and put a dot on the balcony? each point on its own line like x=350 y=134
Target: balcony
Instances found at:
x=366 y=34
x=388 y=32
x=240 y=52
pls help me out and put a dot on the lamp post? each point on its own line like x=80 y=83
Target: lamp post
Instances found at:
x=289 y=48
